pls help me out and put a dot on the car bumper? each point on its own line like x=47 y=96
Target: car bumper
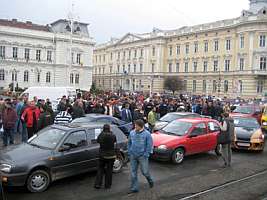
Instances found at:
x=160 y=154
x=14 y=179
x=251 y=146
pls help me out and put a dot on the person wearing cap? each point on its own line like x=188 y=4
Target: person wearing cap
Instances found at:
x=9 y=118
x=107 y=155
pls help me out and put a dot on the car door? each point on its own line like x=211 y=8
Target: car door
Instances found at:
x=72 y=155
x=197 y=139
x=213 y=131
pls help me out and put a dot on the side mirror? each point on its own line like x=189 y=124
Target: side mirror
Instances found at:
x=64 y=148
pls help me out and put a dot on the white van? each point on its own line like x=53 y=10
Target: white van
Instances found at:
x=54 y=94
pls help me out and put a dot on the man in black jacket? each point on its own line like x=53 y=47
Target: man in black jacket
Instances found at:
x=107 y=155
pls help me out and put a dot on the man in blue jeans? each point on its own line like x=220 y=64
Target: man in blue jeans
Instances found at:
x=140 y=146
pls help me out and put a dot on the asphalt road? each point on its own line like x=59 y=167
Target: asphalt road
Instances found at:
x=198 y=173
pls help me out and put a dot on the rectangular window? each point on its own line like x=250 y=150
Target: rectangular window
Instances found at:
x=260 y=86
x=78 y=58
x=177 y=67
x=205 y=66
x=141 y=68
x=38 y=55
x=178 y=49
x=240 y=86
x=262 y=40
x=27 y=54
x=242 y=42
x=118 y=68
x=263 y=63
x=153 y=67
x=227 y=65
x=187 y=49
x=15 y=52
x=170 y=67
x=129 y=54
x=186 y=67
x=119 y=55
x=195 y=66
x=123 y=68
x=196 y=47
x=204 y=86
x=49 y=56
x=194 y=85
x=206 y=46
x=124 y=54
x=153 y=51
x=170 y=51
x=214 y=86
x=141 y=53
x=110 y=70
x=241 y=64
x=2 y=51
x=111 y=56
x=216 y=45
x=226 y=87
x=129 y=68
x=185 y=85
x=134 y=68
x=228 y=45
x=215 y=65
x=135 y=53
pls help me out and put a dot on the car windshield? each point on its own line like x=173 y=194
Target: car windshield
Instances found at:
x=47 y=138
x=246 y=122
x=83 y=120
x=244 y=110
x=178 y=128
x=170 y=117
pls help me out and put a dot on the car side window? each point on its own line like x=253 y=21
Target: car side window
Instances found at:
x=213 y=127
x=199 y=129
x=76 y=140
x=92 y=134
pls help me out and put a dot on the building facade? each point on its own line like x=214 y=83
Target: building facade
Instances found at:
x=37 y=55
x=223 y=58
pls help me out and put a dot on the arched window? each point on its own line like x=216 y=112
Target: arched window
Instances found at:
x=38 y=77
x=26 y=76
x=48 y=77
x=68 y=28
x=71 y=78
x=2 y=74
x=14 y=76
x=78 y=29
x=77 y=77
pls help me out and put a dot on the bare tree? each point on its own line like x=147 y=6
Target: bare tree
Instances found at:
x=173 y=83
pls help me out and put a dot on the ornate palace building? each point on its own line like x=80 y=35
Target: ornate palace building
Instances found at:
x=223 y=58
x=38 y=55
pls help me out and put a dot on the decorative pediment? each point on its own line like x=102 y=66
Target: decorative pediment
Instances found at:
x=129 y=37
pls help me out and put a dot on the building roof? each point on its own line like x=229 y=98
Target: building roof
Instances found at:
x=64 y=20
x=23 y=25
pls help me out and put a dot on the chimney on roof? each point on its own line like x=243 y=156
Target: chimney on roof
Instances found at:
x=29 y=23
x=14 y=20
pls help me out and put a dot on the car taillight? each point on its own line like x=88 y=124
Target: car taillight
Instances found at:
x=261 y=137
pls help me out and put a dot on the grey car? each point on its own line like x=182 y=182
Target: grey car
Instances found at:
x=57 y=152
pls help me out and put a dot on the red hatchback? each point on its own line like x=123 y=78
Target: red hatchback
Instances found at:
x=184 y=137
x=248 y=111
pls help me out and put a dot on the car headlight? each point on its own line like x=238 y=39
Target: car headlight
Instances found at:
x=162 y=147
x=264 y=123
x=6 y=168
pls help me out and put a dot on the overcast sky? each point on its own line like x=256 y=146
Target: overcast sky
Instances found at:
x=114 y=18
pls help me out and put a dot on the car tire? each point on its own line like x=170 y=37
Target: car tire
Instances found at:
x=218 y=150
x=118 y=164
x=178 y=156
x=38 y=181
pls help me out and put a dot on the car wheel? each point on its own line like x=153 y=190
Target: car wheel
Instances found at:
x=178 y=156
x=118 y=164
x=218 y=150
x=38 y=181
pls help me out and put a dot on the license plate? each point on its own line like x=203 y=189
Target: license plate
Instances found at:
x=243 y=144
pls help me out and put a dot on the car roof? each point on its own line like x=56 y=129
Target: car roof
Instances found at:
x=95 y=115
x=242 y=116
x=195 y=120
x=183 y=113
x=72 y=126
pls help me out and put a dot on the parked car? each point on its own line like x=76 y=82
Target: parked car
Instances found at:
x=125 y=127
x=163 y=121
x=249 y=111
x=184 y=137
x=248 y=134
x=54 y=153
x=264 y=119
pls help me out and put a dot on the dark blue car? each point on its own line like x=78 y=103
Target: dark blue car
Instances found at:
x=125 y=127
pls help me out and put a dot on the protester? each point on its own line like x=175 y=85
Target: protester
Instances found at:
x=45 y=118
x=9 y=118
x=78 y=109
x=126 y=114
x=225 y=138
x=63 y=116
x=152 y=118
x=140 y=146
x=107 y=155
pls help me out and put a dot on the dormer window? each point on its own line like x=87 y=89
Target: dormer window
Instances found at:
x=78 y=29
x=68 y=28
x=264 y=12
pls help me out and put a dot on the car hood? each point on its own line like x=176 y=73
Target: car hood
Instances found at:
x=22 y=153
x=245 y=133
x=163 y=139
x=160 y=125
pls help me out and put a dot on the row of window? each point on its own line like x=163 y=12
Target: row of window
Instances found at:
x=14 y=76
x=195 y=67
